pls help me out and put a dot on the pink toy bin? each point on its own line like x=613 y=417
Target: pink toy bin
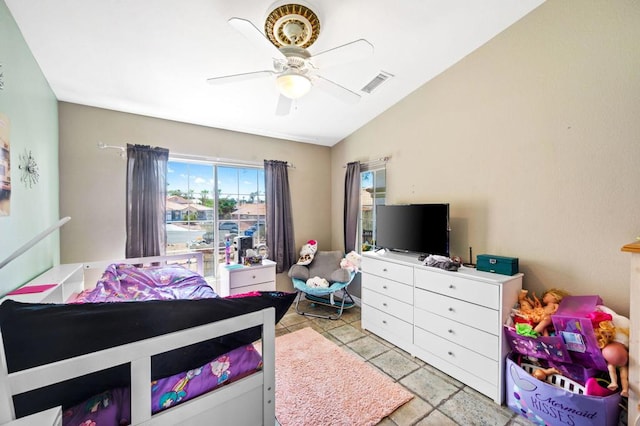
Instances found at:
x=561 y=403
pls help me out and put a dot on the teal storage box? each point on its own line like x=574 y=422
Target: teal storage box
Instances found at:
x=497 y=264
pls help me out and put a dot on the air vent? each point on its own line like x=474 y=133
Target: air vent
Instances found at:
x=376 y=81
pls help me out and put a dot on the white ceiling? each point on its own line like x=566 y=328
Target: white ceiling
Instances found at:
x=152 y=57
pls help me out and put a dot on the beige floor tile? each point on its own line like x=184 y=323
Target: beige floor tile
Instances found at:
x=411 y=412
x=432 y=388
x=467 y=408
x=367 y=347
x=394 y=364
x=347 y=333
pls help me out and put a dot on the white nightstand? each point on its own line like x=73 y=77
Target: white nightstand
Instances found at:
x=237 y=279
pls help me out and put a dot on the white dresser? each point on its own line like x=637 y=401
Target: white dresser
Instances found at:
x=451 y=320
x=237 y=279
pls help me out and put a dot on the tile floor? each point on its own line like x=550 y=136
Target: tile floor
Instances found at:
x=440 y=400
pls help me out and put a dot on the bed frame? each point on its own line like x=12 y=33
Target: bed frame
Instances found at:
x=248 y=401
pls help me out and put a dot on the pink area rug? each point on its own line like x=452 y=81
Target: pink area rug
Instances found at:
x=318 y=383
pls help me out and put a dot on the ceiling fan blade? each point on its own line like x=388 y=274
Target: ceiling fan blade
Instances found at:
x=350 y=52
x=335 y=90
x=284 y=105
x=233 y=78
x=251 y=32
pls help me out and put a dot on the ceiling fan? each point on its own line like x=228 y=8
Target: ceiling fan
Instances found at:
x=290 y=29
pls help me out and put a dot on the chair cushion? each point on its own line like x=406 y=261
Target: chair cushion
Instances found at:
x=326 y=264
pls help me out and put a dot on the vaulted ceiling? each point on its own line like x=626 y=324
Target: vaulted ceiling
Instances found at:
x=154 y=57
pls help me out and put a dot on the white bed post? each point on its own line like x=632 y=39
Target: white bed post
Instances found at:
x=269 y=367
x=140 y=390
x=7 y=412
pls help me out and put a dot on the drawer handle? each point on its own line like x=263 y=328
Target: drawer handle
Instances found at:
x=450 y=331
x=451 y=309
x=384 y=304
x=384 y=321
x=450 y=353
x=253 y=277
x=384 y=287
x=452 y=286
x=384 y=270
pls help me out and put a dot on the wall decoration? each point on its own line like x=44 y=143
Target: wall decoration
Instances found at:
x=29 y=168
x=5 y=167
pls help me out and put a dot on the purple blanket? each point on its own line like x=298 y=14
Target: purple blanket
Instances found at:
x=125 y=283
x=113 y=407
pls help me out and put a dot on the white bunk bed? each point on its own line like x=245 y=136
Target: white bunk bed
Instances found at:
x=247 y=401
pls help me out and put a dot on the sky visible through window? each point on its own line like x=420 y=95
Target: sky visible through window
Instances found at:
x=185 y=176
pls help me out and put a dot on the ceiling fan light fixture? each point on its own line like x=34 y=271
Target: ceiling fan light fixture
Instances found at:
x=293 y=85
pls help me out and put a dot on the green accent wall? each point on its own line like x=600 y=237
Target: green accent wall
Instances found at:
x=32 y=111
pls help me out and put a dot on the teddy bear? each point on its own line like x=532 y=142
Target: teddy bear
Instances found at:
x=317 y=282
x=307 y=252
x=351 y=262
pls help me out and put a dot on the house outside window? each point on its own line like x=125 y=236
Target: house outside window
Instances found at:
x=209 y=203
x=372 y=193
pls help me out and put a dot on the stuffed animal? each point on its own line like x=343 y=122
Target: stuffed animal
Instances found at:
x=317 y=282
x=307 y=252
x=351 y=262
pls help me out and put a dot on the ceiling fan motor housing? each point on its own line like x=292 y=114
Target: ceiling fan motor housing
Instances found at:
x=292 y=25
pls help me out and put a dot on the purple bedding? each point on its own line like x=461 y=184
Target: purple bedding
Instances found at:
x=125 y=283
x=113 y=407
x=159 y=306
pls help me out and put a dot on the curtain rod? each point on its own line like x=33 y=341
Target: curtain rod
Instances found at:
x=233 y=162
x=122 y=149
x=382 y=160
x=123 y=154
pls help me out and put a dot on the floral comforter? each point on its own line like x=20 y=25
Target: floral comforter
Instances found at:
x=123 y=283
x=113 y=407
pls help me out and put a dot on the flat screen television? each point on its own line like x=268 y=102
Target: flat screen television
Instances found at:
x=418 y=228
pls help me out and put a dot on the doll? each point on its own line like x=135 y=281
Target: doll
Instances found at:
x=551 y=301
x=543 y=373
x=613 y=340
x=617 y=357
x=539 y=312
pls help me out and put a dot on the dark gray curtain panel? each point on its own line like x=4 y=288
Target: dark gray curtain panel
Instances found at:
x=146 y=200
x=280 y=237
x=351 y=206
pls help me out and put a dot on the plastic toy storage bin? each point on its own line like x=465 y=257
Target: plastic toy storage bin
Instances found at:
x=546 y=404
x=574 y=342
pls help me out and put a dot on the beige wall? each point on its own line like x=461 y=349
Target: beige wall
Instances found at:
x=534 y=139
x=93 y=181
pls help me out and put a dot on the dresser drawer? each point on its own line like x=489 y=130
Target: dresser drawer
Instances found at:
x=478 y=292
x=387 y=326
x=268 y=286
x=479 y=365
x=389 y=288
x=478 y=341
x=389 y=270
x=387 y=305
x=248 y=276
x=479 y=317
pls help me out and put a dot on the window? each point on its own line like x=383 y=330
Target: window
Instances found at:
x=372 y=193
x=210 y=204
